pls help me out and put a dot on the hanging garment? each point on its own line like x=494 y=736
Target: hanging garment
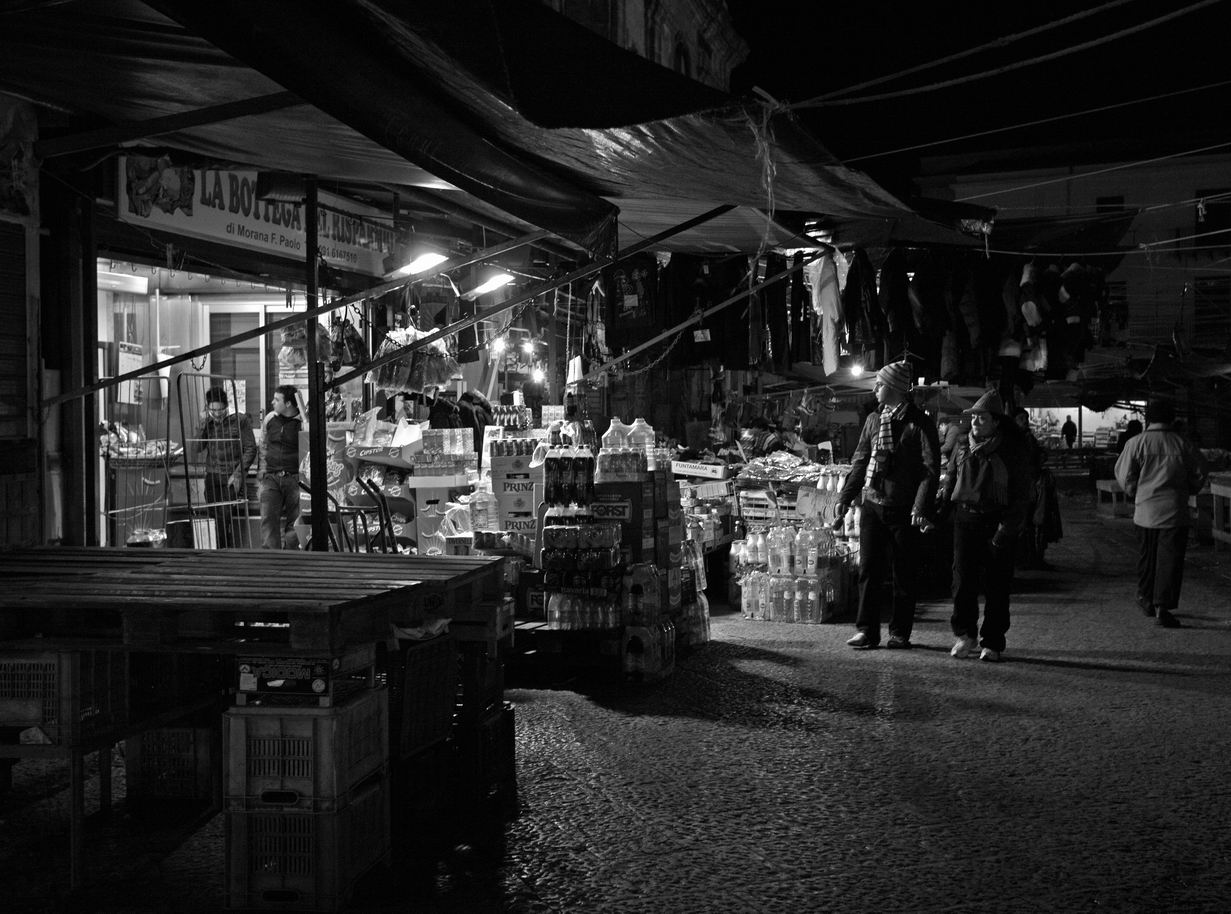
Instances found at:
x=777 y=313
x=801 y=316
x=827 y=305
x=894 y=303
x=859 y=303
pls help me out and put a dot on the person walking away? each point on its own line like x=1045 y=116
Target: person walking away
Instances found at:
x=988 y=491
x=1160 y=469
x=279 y=492
x=1029 y=544
x=1068 y=432
x=895 y=466
x=225 y=441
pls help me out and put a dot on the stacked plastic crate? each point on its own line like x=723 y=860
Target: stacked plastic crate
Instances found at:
x=307 y=801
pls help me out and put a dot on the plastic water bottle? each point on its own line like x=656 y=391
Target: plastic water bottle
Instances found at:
x=616 y=435
x=641 y=437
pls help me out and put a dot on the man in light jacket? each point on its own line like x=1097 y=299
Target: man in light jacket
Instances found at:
x=1160 y=469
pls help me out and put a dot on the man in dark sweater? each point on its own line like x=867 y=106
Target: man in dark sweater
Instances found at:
x=895 y=466
x=225 y=442
x=280 y=484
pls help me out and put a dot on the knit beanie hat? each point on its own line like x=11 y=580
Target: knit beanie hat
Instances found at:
x=990 y=402
x=895 y=375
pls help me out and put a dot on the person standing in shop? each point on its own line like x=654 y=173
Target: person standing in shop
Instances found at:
x=1160 y=469
x=280 y=484
x=1068 y=432
x=988 y=488
x=895 y=467
x=226 y=442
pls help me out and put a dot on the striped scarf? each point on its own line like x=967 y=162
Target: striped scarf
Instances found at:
x=884 y=444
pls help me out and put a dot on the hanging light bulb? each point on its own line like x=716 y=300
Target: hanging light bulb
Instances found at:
x=528 y=347
x=856 y=369
x=538 y=375
x=498 y=344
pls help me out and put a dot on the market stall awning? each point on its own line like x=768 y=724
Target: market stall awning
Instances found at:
x=407 y=94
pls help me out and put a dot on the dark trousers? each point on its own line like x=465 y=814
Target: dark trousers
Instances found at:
x=977 y=563
x=1160 y=565
x=888 y=550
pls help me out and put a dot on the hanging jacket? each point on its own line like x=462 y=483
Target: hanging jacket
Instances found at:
x=859 y=303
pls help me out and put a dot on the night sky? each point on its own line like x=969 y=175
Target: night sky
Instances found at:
x=803 y=49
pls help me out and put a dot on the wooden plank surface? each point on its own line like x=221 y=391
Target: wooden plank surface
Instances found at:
x=242 y=579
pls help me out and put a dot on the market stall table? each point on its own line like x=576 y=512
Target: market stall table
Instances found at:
x=84 y=610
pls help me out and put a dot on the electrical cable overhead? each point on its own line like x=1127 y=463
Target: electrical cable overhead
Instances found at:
x=1036 y=123
x=1009 y=68
x=1090 y=174
x=1001 y=42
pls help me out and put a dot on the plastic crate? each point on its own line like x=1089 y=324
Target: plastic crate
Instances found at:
x=423 y=682
x=487 y=763
x=67 y=695
x=304 y=758
x=305 y=861
x=171 y=763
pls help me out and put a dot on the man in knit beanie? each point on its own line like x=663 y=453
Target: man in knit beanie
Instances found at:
x=895 y=467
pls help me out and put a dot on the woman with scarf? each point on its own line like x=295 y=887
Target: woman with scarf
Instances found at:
x=987 y=486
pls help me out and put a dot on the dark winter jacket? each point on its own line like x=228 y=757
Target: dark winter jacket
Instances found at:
x=995 y=482
x=913 y=468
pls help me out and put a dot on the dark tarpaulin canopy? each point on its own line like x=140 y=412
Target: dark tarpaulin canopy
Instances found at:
x=473 y=99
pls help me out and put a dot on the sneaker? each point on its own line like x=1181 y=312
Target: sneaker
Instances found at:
x=987 y=655
x=1166 y=620
x=1146 y=606
x=962 y=648
x=898 y=643
x=862 y=642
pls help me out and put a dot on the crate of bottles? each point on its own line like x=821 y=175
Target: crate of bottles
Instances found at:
x=68 y=696
x=301 y=860
x=306 y=757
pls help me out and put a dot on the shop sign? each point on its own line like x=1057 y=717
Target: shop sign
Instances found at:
x=221 y=206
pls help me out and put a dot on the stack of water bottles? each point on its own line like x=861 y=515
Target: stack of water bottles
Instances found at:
x=790 y=575
x=693 y=626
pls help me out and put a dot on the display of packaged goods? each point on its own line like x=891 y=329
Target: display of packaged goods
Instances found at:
x=621 y=464
x=647 y=652
x=568 y=476
x=582 y=559
x=581 y=536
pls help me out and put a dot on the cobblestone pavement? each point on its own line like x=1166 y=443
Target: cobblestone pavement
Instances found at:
x=778 y=770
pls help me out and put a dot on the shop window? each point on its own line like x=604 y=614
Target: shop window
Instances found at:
x=242 y=361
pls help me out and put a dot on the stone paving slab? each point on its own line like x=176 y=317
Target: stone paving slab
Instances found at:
x=780 y=771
